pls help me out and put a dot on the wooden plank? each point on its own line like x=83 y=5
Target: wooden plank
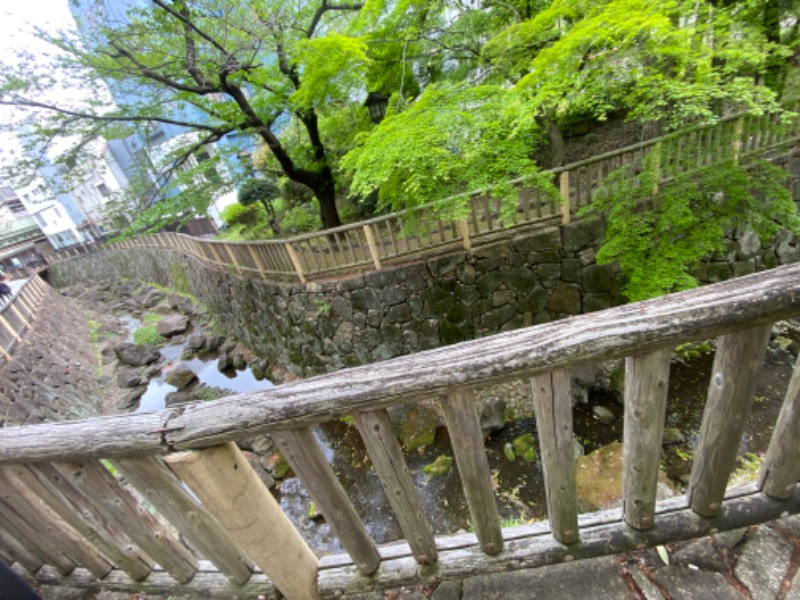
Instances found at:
x=621 y=331
x=540 y=550
x=231 y=490
x=463 y=231
x=387 y=458
x=27 y=507
x=232 y=255
x=646 y=381
x=781 y=468
x=257 y=260
x=298 y=267
x=34 y=540
x=738 y=358
x=552 y=402
x=17 y=552
x=563 y=184
x=165 y=492
x=310 y=465
x=75 y=509
x=119 y=506
x=461 y=416
x=373 y=247
x=207 y=584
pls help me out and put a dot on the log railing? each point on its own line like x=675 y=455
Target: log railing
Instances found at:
x=376 y=242
x=18 y=314
x=66 y=519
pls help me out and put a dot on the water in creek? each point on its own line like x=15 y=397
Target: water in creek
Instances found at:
x=204 y=366
x=519 y=487
x=518 y=484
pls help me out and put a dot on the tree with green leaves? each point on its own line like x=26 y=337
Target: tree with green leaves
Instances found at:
x=263 y=191
x=207 y=67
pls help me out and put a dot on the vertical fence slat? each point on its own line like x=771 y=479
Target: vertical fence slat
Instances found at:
x=29 y=508
x=309 y=463
x=373 y=247
x=231 y=490
x=158 y=484
x=17 y=552
x=298 y=267
x=461 y=415
x=120 y=507
x=646 y=381
x=75 y=510
x=34 y=541
x=730 y=393
x=552 y=403
x=781 y=468
x=387 y=458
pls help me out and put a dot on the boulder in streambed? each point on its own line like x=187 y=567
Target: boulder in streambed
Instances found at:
x=172 y=325
x=136 y=355
x=181 y=376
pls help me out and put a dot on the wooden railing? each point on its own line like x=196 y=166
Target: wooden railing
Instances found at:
x=373 y=243
x=65 y=518
x=18 y=314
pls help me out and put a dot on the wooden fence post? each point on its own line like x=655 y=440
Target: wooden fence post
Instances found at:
x=781 y=467
x=373 y=247
x=10 y=329
x=738 y=127
x=232 y=256
x=646 y=380
x=656 y=166
x=462 y=420
x=463 y=230
x=552 y=402
x=230 y=489
x=738 y=358
x=298 y=267
x=257 y=259
x=563 y=181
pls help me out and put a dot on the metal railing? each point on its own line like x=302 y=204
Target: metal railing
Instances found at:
x=66 y=519
x=421 y=230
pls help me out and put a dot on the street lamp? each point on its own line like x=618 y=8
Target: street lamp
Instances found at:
x=376 y=103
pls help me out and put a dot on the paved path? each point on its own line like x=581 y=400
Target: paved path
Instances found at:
x=757 y=563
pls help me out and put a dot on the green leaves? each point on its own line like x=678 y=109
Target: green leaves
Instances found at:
x=659 y=242
x=333 y=68
x=453 y=138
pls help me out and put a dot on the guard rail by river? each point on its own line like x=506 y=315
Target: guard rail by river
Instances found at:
x=422 y=230
x=68 y=520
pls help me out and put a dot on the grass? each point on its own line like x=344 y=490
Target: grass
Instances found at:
x=147 y=335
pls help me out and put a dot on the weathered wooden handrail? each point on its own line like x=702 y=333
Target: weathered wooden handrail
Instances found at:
x=17 y=316
x=50 y=475
x=381 y=240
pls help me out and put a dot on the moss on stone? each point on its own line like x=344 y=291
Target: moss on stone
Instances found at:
x=440 y=466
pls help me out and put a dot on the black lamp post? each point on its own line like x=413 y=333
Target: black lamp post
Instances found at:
x=376 y=103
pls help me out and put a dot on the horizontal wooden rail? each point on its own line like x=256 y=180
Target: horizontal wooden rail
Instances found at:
x=696 y=314
x=420 y=230
x=60 y=506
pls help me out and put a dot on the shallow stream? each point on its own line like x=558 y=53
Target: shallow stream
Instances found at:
x=519 y=484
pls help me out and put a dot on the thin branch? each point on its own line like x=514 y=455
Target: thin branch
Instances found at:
x=145 y=71
x=325 y=7
x=191 y=25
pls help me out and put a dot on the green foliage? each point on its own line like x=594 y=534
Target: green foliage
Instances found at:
x=239 y=214
x=258 y=190
x=657 y=245
x=452 y=139
x=147 y=335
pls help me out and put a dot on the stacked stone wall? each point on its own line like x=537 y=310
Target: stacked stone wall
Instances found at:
x=542 y=275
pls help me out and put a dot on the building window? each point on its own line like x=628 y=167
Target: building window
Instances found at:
x=103 y=189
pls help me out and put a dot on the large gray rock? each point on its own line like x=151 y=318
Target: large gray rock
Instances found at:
x=128 y=378
x=172 y=325
x=136 y=355
x=181 y=376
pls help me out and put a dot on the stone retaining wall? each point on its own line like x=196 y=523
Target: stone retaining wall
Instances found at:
x=542 y=275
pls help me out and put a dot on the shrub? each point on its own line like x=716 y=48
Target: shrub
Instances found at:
x=147 y=334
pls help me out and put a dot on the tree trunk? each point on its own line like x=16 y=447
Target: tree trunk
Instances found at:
x=557 y=149
x=328 y=212
x=776 y=67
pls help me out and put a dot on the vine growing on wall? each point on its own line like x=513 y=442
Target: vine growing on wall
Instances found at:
x=658 y=240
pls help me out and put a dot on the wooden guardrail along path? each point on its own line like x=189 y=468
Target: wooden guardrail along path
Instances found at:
x=65 y=518
x=17 y=315
x=382 y=240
